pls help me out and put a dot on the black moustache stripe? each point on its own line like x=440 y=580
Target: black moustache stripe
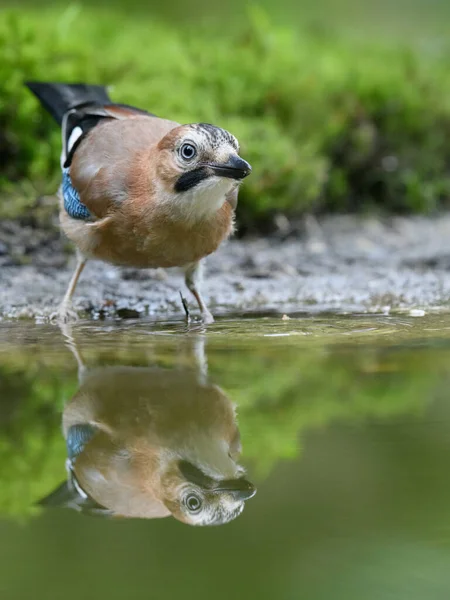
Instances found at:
x=193 y=474
x=189 y=180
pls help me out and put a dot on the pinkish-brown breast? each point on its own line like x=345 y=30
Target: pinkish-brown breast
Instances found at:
x=140 y=238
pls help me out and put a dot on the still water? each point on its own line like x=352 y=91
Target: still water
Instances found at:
x=115 y=439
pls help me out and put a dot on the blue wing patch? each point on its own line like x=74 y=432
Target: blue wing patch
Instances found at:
x=72 y=203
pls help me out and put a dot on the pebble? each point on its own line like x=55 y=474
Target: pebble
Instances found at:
x=417 y=312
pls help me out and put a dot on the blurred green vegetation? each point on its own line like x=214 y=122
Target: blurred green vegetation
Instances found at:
x=329 y=121
x=31 y=445
x=282 y=390
x=283 y=396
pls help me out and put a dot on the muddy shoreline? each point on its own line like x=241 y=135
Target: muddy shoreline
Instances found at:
x=344 y=264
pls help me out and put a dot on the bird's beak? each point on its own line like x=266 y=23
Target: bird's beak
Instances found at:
x=235 y=168
x=240 y=489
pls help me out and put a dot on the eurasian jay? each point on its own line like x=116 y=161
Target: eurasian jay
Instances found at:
x=138 y=190
x=149 y=443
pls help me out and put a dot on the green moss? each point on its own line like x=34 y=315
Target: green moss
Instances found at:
x=328 y=123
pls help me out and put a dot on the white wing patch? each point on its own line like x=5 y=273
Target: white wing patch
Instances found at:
x=77 y=132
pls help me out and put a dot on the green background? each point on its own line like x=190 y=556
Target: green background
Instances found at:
x=338 y=105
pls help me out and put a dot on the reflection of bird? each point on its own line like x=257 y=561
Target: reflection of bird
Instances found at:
x=150 y=442
x=138 y=190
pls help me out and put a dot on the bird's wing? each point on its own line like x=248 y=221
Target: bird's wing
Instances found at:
x=79 y=121
x=102 y=165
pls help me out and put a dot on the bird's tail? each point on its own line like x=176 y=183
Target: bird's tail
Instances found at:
x=59 y=98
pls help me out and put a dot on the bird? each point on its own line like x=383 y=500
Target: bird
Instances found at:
x=150 y=442
x=138 y=190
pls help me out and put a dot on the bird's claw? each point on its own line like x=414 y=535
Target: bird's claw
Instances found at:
x=186 y=308
x=207 y=317
x=66 y=314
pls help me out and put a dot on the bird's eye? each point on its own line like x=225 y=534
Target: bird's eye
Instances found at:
x=188 y=151
x=193 y=503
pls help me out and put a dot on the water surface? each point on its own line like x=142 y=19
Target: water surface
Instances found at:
x=345 y=431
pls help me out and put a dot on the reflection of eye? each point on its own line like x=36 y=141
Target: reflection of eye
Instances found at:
x=188 y=151
x=193 y=502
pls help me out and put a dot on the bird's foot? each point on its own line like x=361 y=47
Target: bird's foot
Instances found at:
x=207 y=317
x=66 y=314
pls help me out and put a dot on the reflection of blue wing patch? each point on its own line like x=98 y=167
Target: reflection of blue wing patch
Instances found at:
x=77 y=438
x=72 y=202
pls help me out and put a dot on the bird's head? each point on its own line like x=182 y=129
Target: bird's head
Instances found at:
x=198 y=166
x=197 y=498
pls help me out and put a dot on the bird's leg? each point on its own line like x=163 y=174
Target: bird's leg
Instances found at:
x=66 y=313
x=193 y=278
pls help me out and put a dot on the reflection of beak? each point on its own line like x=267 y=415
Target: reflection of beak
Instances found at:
x=235 y=168
x=240 y=489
